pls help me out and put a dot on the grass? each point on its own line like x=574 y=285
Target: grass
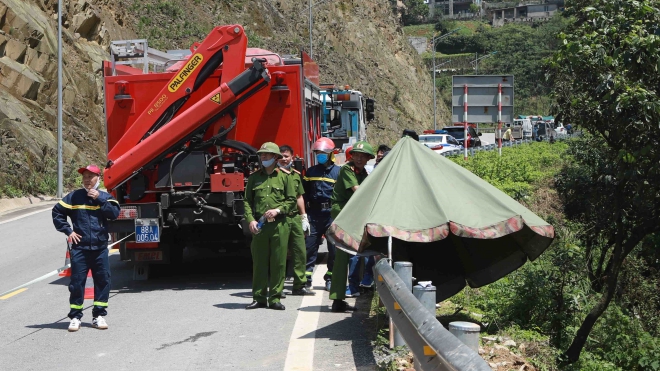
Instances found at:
x=40 y=178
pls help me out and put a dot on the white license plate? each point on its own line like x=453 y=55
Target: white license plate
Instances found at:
x=147 y=230
x=148 y=256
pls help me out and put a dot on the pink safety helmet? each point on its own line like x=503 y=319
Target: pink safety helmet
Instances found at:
x=324 y=145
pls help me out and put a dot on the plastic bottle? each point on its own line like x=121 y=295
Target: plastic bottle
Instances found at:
x=261 y=223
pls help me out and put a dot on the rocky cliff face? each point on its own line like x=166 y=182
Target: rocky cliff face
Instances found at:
x=356 y=42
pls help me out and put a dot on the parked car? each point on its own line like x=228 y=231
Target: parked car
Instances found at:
x=439 y=141
x=559 y=128
x=457 y=132
x=545 y=130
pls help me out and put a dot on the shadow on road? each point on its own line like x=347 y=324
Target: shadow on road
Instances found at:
x=231 y=305
x=62 y=324
x=204 y=273
x=244 y=294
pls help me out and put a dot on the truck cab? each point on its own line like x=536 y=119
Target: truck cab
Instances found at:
x=345 y=114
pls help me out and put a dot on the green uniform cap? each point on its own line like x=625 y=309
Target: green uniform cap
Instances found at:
x=363 y=147
x=270 y=147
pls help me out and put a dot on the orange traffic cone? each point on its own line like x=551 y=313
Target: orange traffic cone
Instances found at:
x=89 y=286
x=67 y=261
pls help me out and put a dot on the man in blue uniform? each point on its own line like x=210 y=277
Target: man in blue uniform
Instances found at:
x=89 y=210
x=318 y=182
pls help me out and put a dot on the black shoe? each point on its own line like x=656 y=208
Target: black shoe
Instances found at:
x=308 y=285
x=255 y=304
x=277 y=306
x=302 y=291
x=340 y=306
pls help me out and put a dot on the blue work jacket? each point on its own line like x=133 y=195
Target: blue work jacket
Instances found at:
x=89 y=218
x=319 y=182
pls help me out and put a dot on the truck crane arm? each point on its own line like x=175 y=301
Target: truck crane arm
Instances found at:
x=146 y=145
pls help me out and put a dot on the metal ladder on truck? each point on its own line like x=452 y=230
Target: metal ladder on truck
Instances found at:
x=138 y=52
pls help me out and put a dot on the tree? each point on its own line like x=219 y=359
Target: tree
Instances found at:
x=605 y=80
x=415 y=13
x=474 y=8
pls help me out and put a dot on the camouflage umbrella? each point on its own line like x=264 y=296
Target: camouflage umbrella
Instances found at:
x=452 y=225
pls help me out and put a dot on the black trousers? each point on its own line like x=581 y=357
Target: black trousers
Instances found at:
x=319 y=222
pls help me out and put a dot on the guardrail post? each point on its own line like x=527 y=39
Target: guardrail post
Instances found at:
x=426 y=296
x=404 y=271
x=466 y=332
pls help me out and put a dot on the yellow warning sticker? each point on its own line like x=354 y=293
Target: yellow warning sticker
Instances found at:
x=216 y=99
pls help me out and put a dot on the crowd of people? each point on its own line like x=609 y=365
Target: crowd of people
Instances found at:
x=287 y=213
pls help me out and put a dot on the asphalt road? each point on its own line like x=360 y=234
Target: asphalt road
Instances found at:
x=192 y=319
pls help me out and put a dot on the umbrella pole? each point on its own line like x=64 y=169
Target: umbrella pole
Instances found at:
x=389 y=257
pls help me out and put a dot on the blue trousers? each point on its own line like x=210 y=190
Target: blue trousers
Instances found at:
x=319 y=222
x=81 y=262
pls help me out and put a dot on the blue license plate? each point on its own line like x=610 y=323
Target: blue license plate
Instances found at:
x=147 y=233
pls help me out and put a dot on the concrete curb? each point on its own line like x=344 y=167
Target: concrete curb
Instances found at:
x=13 y=204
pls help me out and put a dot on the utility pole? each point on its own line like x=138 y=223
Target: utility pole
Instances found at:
x=476 y=61
x=311 y=54
x=60 y=178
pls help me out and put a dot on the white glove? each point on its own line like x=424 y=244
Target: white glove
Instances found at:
x=305 y=224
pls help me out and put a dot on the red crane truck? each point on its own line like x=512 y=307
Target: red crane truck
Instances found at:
x=182 y=137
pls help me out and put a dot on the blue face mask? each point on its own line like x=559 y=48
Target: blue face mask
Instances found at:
x=267 y=163
x=322 y=158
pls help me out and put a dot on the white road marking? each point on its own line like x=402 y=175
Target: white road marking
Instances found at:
x=49 y=274
x=300 y=356
x=5 y=295
x=25 y=215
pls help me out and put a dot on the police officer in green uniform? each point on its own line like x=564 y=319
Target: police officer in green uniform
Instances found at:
x=269 y=194
x=351 y=175
x=298 y=225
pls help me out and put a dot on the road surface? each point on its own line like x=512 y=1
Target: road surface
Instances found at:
x=193 y=319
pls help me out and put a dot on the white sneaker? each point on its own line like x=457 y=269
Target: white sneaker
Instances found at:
x=99 y=323
x=74 y=325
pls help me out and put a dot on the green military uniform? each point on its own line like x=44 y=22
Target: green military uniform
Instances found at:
x=349 y=177
x=297 y=237
x=262 y=193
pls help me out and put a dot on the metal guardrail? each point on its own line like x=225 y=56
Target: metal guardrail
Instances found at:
x=492 y=147
x=433 y=346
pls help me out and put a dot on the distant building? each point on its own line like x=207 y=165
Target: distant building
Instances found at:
x=452 y=8
x=529 y=12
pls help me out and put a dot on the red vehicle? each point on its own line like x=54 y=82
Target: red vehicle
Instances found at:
x=181 y=142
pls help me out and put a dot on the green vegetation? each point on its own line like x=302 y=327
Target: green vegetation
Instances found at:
x=415 y=12
x=38 y=177
x=521 y=51
x=169 y=23
x=605 y=78
x=544 y=303
x=519 y=168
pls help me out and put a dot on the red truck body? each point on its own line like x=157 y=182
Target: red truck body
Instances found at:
x=182 y=142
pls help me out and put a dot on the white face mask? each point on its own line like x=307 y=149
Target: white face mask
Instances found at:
x=96 y=186
x=287 y=166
